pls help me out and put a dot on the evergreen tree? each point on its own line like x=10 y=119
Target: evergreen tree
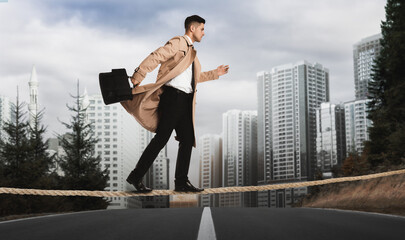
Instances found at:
x=15 y=172
x=24 y=163
x=387 y=106
x=14 y=150
x=41 y=164
x=82 y=170
x=40 y=161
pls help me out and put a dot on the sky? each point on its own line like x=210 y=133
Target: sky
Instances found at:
x=70 y=40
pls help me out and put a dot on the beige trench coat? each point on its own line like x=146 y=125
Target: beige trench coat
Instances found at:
x=174 y=58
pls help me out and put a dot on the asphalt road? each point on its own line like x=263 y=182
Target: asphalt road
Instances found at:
x=228 y=223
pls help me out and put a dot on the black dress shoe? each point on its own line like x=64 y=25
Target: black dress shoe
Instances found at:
x=187 y=187
x=138 y=184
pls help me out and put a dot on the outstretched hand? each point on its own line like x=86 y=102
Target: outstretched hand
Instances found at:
x=223 y=69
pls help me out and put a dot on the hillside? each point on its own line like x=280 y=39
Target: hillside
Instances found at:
x=383 y=195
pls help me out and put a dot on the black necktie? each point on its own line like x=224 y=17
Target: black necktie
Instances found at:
x=192 y=77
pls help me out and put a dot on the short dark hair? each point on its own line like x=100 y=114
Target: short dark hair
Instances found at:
x=192 y=19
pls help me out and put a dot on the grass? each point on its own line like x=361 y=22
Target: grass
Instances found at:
x=382 y=195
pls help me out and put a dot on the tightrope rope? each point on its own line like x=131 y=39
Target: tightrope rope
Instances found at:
x=21 y=191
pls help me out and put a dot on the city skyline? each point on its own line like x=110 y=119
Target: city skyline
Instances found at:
x=71 y=40
x=62 y=46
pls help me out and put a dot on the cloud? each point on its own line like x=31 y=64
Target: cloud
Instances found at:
x=75 y=39
x=62 y=52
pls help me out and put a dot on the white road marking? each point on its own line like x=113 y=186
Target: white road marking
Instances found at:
x=49 y=216
x=356 y=211
x=207 y=230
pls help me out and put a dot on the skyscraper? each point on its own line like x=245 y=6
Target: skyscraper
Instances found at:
x=357 y=125
x=287 y=107
x=239 y=157
x=116 y=131
x=122 y=142
x=364 y=54
x=264 y=146
x=210 y=150
x=331 y=137
x=5 y=115
x=239 y=151
x=34 y=104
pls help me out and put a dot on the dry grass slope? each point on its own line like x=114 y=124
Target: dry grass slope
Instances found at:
x=383 y=195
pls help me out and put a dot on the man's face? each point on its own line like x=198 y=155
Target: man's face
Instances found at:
x=198 y=31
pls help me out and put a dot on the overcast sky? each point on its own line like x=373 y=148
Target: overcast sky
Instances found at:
x=74 y=39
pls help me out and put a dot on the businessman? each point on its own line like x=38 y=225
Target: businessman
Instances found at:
x=169 y=103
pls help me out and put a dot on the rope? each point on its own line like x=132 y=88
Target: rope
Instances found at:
x=21 y=191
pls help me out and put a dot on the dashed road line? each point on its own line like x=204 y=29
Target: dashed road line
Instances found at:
x=207 y=229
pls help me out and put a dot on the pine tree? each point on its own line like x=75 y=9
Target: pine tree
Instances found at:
x=82 y=170
x=387 y=106
x=39 y=159
x=24 y=163
x=14 y=150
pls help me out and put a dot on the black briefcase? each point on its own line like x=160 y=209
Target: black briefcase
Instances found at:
x=114 y=86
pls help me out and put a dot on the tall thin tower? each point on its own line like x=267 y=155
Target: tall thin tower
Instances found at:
x=33 y=106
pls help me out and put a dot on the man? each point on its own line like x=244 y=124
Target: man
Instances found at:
x=169 y=103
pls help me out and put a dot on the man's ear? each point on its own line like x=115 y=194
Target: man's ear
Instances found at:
x=192 y=28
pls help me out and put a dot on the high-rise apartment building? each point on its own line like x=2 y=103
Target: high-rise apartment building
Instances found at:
x=116 y=131
x=239 y=157
x=287 y=107
x=357 y=125
x=5 y=115
x=331 y=137
x=364 y=54
x=210 y=151
x=122 y=142
x=264 y=128
x=239 y=148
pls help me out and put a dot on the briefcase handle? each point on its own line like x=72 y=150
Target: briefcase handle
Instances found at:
x=134 y=86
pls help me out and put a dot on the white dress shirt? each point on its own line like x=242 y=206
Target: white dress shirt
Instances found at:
x=183 y=80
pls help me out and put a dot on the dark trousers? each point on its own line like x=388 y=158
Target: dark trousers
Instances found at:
x=175 y=112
